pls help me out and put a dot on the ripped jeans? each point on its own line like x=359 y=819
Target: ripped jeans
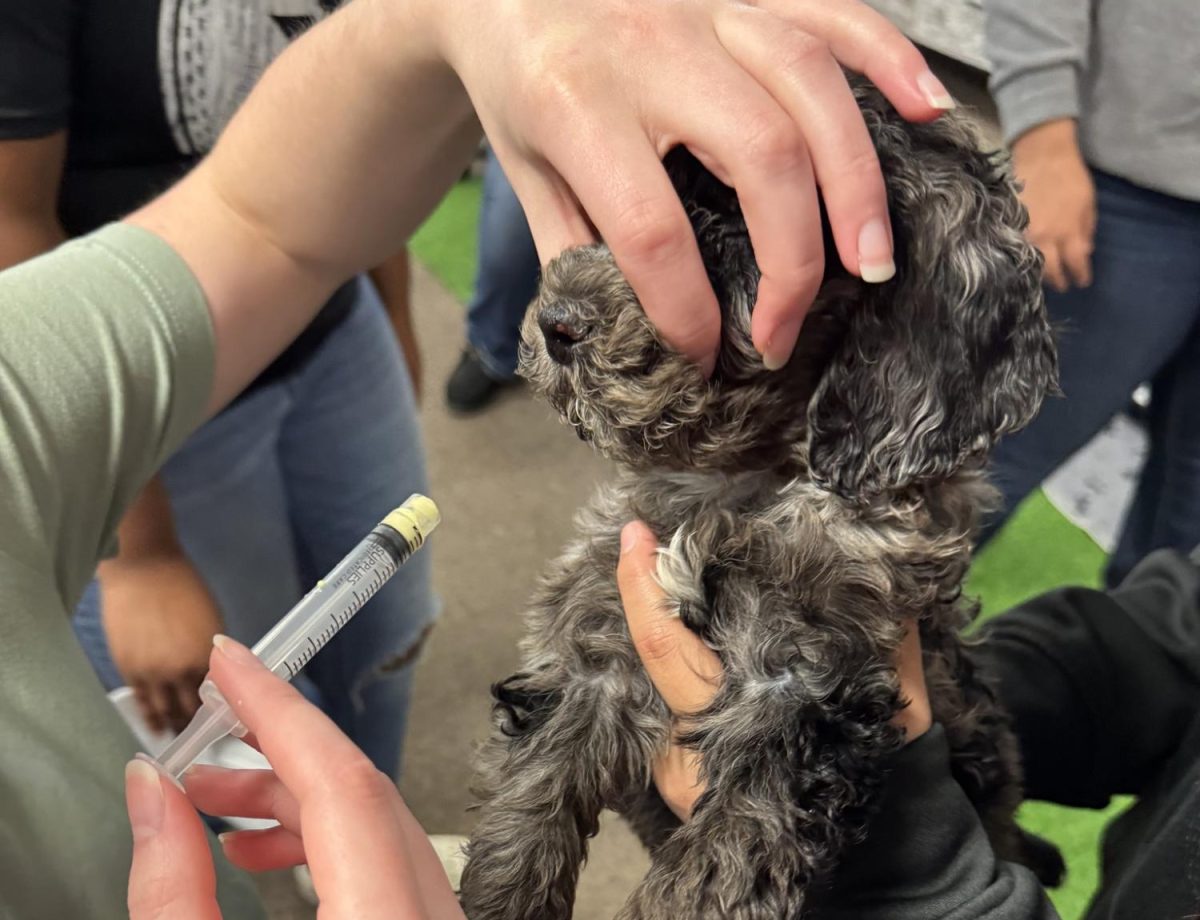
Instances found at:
x=269 y=495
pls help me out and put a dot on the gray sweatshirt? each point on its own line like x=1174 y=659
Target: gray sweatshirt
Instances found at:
x=1127 y=70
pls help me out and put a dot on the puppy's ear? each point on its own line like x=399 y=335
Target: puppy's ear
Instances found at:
x=956 y=350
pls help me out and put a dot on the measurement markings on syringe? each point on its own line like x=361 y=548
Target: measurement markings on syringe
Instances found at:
x=380 y=565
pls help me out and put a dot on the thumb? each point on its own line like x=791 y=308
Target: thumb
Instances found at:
x=685 y=671
x=172 y=875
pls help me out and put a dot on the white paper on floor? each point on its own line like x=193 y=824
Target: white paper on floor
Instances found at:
x=1094 y=487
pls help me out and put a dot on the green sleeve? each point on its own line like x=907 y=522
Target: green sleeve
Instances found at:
x=106 y=355
x=105 y=365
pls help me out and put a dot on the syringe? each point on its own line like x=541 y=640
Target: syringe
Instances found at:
x=308 y=627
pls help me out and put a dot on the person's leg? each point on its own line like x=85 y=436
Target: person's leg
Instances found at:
x=1166 y=507
x=505 y=284
x=89 y=630
x=230 y=509
x=1101 y=686
x=351 y=451
x=1114 y=335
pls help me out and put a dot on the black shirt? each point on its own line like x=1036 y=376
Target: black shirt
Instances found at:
x=142 y=88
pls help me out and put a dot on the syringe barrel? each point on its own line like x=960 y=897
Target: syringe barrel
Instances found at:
x=309 y=626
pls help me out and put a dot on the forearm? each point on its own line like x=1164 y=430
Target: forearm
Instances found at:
x=343 y=148
x=1052 y=138
x=392 y=279
x=148 y=528
x=30 y=173
x=1038 y=52
x=22 y=239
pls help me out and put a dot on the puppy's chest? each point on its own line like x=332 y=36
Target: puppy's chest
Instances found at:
x=739 y=554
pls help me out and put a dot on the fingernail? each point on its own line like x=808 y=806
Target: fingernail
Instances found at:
x=158 y=768
x=780 y=344
x=144 y=798
x=225 y=837
x=934 y=92
x=629 y=538
x=875 y=263
x=234 y=650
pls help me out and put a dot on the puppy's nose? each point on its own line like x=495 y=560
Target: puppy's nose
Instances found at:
x=562 y=331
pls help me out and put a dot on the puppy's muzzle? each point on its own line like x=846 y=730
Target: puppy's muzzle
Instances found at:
x=563 y=332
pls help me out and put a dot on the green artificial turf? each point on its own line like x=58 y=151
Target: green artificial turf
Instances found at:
x=1037 y=551
x=446 y=243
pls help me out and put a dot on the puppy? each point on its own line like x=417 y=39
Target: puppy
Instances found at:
x=806 y=514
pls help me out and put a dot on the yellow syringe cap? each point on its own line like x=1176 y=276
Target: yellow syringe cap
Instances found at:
x=415 y=520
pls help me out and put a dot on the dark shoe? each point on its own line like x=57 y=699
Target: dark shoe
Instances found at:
x=471 y=387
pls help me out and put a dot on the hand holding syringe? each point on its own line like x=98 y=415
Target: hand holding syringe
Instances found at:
x=309 y=626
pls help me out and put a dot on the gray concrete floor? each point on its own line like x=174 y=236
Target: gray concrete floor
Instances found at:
x=508 y=482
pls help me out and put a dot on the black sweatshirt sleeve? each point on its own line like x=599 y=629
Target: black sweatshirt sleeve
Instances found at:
x=927 y=857
x=35 y=67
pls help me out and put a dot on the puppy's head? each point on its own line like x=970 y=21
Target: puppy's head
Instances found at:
x=890 y=385
x=590 y=350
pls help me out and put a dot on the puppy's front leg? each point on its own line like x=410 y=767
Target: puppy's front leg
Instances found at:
x=565 y=748
x=524 y=855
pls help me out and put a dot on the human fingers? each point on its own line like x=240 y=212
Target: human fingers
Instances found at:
x=556 y=219
x=793 y=49
x=187 y=692
x=744 y=135
x=684 y=670
x=1052 y=268
x=184 y=698
x=1077 y=259
x=621 y=181
x=260 y=794
x=154 y=700
x=251 y=740
x=820 y=130
x=356 y=848
x=679 y=779
x=264 y=850
x=802 y=75
x=171 y=876
x=242 y=794
x=866 y=42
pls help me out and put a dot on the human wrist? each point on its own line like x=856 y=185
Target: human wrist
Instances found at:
x=1048 y=140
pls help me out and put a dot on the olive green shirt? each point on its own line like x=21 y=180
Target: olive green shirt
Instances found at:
x=106 y=357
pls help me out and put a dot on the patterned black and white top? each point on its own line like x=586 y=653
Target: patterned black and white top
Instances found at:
x=143 y=88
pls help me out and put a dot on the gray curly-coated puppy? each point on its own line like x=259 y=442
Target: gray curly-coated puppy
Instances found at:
x=804 y=514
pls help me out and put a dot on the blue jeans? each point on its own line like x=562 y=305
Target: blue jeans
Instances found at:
x=271 y=493
x=507 y=278
x=1139 y=321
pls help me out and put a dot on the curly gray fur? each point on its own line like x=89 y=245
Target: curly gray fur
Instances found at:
x=804 y=514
